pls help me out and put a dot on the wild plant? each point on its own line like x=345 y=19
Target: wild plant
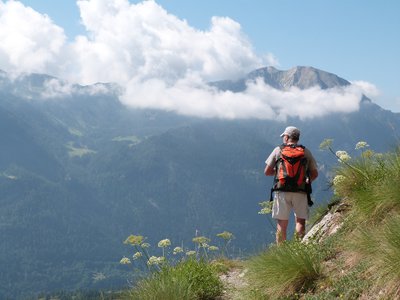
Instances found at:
x=369 y=182
x=227 y=237
x=189 y=276
x=188 y=280
x=285 y=269
x=201 y=244
x=379 y=246
x=266 y=209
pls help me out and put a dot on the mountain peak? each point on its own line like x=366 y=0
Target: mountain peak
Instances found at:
x=302 y=77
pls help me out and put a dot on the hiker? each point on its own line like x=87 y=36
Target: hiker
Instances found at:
x=291 y=193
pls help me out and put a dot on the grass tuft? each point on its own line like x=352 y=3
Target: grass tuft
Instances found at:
x=189 y=280
x=284 y=270
x=380 y=247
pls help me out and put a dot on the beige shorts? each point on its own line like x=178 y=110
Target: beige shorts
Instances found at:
x=284 y=202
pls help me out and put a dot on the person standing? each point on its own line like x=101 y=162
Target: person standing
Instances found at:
x=290 y=193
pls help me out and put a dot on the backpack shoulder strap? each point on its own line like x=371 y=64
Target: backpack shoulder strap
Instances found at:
x=292 y=146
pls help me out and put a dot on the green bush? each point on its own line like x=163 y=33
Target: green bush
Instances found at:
x=285 y=269
x=190 y=279
x=370 y=182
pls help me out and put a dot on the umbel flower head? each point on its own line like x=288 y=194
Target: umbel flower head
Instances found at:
x=137 y=255
x=338 y=179
x=343 y=156
x=266 y=207
x=201 y=240
x=225 y=235
x=145 y=245
x=125 y=261
x=326 y=144
x=177 y=250
x=164 y=243
x=191 y=253
x=134 y=240
x=361 y=145
x=213 y=248
x=154 y=260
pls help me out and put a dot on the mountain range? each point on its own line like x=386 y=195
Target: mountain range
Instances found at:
x=79 y=172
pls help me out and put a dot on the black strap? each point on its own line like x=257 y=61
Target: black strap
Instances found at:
x=308 y=191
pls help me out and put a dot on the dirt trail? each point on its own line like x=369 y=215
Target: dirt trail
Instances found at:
x=234 y=281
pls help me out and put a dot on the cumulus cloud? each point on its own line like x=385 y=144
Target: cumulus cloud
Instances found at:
x=144 y=41
x=55 y=88
x=368 y=88
x=259 y=100
x=159 y=60
x=30 y=42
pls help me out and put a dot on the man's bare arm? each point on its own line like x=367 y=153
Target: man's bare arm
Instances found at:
x=269 y=171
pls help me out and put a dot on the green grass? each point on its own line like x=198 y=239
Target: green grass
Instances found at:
x=374 y=196
x=349 y=286
x=361 y=261
x=189 y=280
x=379 y=246
x=374 y=189
x=286 y=269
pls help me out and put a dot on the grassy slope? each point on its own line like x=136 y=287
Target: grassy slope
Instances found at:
x=359 y=261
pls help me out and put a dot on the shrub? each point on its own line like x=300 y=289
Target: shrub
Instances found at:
x=190 y=279
x=370 y=181
x=286 y=269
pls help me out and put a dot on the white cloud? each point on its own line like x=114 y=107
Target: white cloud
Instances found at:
x=30 y=42
x=159 y=59
x=55 y=88
x=369 y=89
x=144 y=41
x=193 y=97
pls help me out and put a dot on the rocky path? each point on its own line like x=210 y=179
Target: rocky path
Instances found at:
x=234 y=282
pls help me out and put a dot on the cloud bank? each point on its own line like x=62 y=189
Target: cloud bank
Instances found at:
x=159 y=60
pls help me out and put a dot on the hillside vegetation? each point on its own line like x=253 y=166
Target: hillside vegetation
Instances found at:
x=79 y=172
x=360 y=260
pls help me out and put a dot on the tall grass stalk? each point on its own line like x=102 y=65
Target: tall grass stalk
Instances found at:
x=374 y=196
x=285 y=269
x=380 y=247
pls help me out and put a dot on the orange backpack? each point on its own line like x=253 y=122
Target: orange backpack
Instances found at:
x=291 y=166
x=291 y=171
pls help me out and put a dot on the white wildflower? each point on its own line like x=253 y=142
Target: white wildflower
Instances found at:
x=226 y=235
x=343 y=156
x=154 y=260
x=191 y=253
x=137 y=255
x=145 y=245
x=134 y=240
x=177 y=250
x=361 y=145
x=338 y=179
x=164 y=243
x=201 y=240
x=125 y=261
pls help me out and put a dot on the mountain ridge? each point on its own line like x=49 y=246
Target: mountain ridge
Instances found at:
x=301 y=77
x=151 y=172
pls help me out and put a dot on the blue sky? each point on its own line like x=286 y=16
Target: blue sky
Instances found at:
x=357 y=40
